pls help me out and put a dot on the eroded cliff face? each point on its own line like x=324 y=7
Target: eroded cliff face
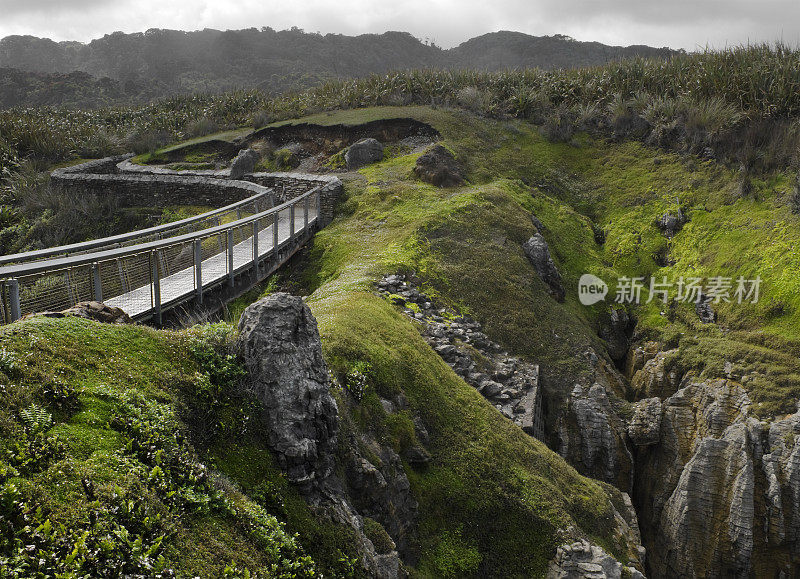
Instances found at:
x=280 y=345
x=716 y=490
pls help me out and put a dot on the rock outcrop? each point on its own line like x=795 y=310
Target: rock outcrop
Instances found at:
x=509 y=383
x=280 y=346
x=362 y=153
x=720 y=489
x=243 y=163
x=538 y=253
x=704 y=310
x=615 y=329
x=592 y=436
x=583 y=560
x=380 y=489
x=656 y=377
x=644 y=427
x=96 y=311
x=671 y=223
x=438 y=167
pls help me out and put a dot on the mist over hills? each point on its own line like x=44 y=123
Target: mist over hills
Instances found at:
x=138 y=67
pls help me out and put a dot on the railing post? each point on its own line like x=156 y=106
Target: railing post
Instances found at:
x=68 y=283
x=156 y=284
x=198 y=269
x=97 y=285
x=275 y=239
x=291 y=222
x=230 y=257
x=318 y=197
x=122 y=281
x=305 y=214
x=255 y=248
x=13 y=296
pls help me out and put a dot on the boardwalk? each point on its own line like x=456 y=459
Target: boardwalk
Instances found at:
x=149 y=278
x=181 y=285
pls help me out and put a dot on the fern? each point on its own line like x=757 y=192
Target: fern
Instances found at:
x=36 y=418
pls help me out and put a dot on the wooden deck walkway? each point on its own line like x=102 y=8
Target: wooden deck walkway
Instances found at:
x=180 y=286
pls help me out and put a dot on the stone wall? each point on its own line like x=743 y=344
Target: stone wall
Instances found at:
x=105 y=166
x=290 y=185
x=138 y=185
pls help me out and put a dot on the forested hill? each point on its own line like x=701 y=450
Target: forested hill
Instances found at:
x=141 y=66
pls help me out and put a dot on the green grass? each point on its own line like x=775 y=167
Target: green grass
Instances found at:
x=448 y=237
x=477 y=516
x=501 y=508
x=227 y=136
x=95 y=379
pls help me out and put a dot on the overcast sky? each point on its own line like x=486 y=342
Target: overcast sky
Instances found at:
x=688 y=24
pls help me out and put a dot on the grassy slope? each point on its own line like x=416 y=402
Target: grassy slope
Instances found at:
x=621 y=188
x=488 y=511
x=121 y=382
x=465 y=245
x=476 y=514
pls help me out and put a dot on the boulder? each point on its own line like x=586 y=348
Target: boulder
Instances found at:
x=645 y=425
x=538 y=253
x=243 y=163
x=280 y=346
x=671 y=223
x=438 y=167
x=362 y=153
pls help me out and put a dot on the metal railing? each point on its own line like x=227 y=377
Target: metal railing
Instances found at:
x=250 y=206
x=146 y=278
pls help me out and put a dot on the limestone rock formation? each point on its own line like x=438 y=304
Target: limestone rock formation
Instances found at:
x=538 y=253
x=644 y=427
x=583 y=560
x=243 y=163
x=592 y=436
x=381 y=490
x=97 y=311
x=721 y=489
x=362 y=153
x=638 y=356
x=438 y=167
x=280 y=345
x=656 y=377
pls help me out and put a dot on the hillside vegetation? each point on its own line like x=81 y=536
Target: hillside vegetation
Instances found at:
x=129 y=389
x=135 y=68
x=740 y=103
x=598 y=156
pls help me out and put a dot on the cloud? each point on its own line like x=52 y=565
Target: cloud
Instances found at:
x=681 y=23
